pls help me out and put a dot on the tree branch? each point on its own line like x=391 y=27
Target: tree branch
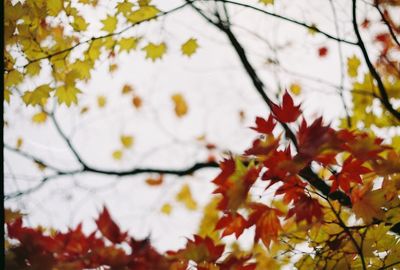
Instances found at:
x=384 y=96
x=311 y=27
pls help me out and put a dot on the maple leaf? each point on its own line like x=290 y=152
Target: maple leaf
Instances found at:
x=352 y=66
x=155 y=181
x=189 y=47
x=351 y=171
x=322 y=51
x=235 y=262
x=38 y=96
x=125 y=7
x=181 y=107
x=101 y=101
x=137 y=101
x=266 y=2
x=54 y=7
x=286 y=113
x=280 y=164
x=305 y=208
x=39 y=118
x=235 y=188
x=67 y=95
x=264 y=126
x=155 y=51
x=263 y=148
x=144 y=13
x=117 y=154
x=231 y=223
x=227 y=169
x=367 y=203
x=128 y=44
x=109 y=23
x=199 y=250
x=363 y=146
x=267 y=222
x=292 y=189
x=185 y=196
x=295 y=88
x=314 y=139
x=109 y=228
x=127 y=141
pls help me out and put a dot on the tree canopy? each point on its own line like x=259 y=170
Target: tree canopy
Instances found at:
x=281 y=187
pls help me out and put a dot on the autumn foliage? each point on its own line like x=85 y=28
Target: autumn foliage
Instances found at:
x=333 y=191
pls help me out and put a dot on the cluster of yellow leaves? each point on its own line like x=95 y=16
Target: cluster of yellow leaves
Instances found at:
x=185 y=196
x=127 y=142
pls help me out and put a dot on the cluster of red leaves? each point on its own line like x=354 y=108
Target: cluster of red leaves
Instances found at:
x=314 y=143
x=112 y=249
x=75 y=250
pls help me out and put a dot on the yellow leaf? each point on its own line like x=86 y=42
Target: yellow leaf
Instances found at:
x=267 y=2
x=54 y=7
x=144 y=13
x=19 y=143
x=181 y=107
x=185 y=196
x=37 y=96
x=101 y=101
x=352 y=66
x=112 y=68
x=109 y=24
x=13 y=78
x=7 y=95
x=367 y=204
x=67 y=95
x=127 y=141
x=128 y=44
x=79 y=23
x=166 y=209
x=33 y=69
x=295 y=88
x=39 y=117
x=155 y=51
x=127 y=89
x=189 y=47
x=117 y=154
x=125 y=7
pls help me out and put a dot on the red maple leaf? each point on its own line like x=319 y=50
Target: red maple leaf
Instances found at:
x=317 y=142
x=109 y=228
x=286 y=113
x=231 y=223
x=352 y=170
x=264 y=126
x=267 y=222
x=292 y=189
x=227 y=169
x=322 y=51
x=234 y=190
x=199 y=250
x=305 y=208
